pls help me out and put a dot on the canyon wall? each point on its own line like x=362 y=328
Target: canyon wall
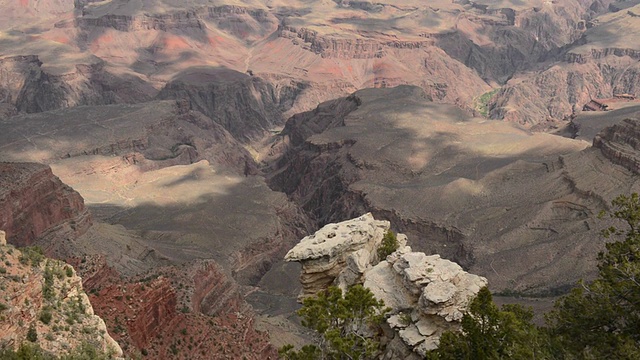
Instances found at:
x=27 y=87
x=35 y=203
x=620 y=144
x=40 y=294
x=248 y=107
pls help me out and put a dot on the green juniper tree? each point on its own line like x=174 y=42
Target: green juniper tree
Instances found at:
x=601 y=319
x=388 y=245
x=596 y=320
x=489 y=332
x=341 y=323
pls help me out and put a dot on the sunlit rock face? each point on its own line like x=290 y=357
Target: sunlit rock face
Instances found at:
x=62 y=298
x=347 y=246
x=427 y=295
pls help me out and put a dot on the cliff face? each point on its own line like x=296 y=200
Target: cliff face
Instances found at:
x=13 y=76
x=26 y=86
x=150 y=136
x=621 y=144
x=193 y=312
x=35 y=203
x=248 y=107
x=427 y=295
x=43 y=294
x=246 y=23
x=602 y=62
x=344 y=48
x=499 y=41
x=318 y=171
x=560 y=91
x=431 y=172
x=122 y=52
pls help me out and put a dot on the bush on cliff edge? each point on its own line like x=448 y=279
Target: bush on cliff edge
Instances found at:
x=344 y=325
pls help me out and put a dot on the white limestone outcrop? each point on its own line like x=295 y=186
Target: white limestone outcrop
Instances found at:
x=428 y=295
x=325 y=254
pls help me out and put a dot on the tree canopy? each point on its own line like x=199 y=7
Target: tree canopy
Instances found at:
x=346 y=324
x=492 y=333
x=601 y=319
x=596 y=320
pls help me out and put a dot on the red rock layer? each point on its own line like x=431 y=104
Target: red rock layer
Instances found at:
x=34 y=203
x=192 y=312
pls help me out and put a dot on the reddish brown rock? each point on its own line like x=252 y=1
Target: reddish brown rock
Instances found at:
x=190 y=312
x=35 y=203
x=27 y=295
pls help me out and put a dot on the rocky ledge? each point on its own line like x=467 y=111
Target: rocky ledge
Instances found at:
x=427 y=295
x=620 y=144
x=43 y=301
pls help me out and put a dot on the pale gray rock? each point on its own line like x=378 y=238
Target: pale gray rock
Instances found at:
x=411 y=336
x=426 y=327
x=397 y=321
x=338 y=240
x=387 y=286
x=347 y=248
x=427 y=295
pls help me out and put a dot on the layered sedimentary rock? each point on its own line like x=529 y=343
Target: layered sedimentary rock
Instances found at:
x=248 y=107
x=599 y=64
x=148 y=136
x=41 y=294
x=325 y=254
x=35 y=203
x=28 y=87
x=427 y=294
x=621 y=144
x=196 y=311
x=90 y=52
x=474 y=191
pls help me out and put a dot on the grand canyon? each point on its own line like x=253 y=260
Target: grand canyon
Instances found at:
x=173 y=152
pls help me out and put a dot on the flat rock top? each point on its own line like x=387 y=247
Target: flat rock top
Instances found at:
x=435 y=142
x=186 y=211
x=620 y=29
x=48 y=136
x=590 y=123
x=335 y=239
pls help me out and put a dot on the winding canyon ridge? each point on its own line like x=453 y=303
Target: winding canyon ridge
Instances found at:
x=174 y=151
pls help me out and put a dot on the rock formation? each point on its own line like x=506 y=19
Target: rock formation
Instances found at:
x=195 y=311
x=427 y=294
x=47 y=295
x=621 y=144
x=248 y=107
x=93 y=52
x=35 y=203
x=324 y=255
x=602 y=62
x=430 y=171
x=27 y=87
